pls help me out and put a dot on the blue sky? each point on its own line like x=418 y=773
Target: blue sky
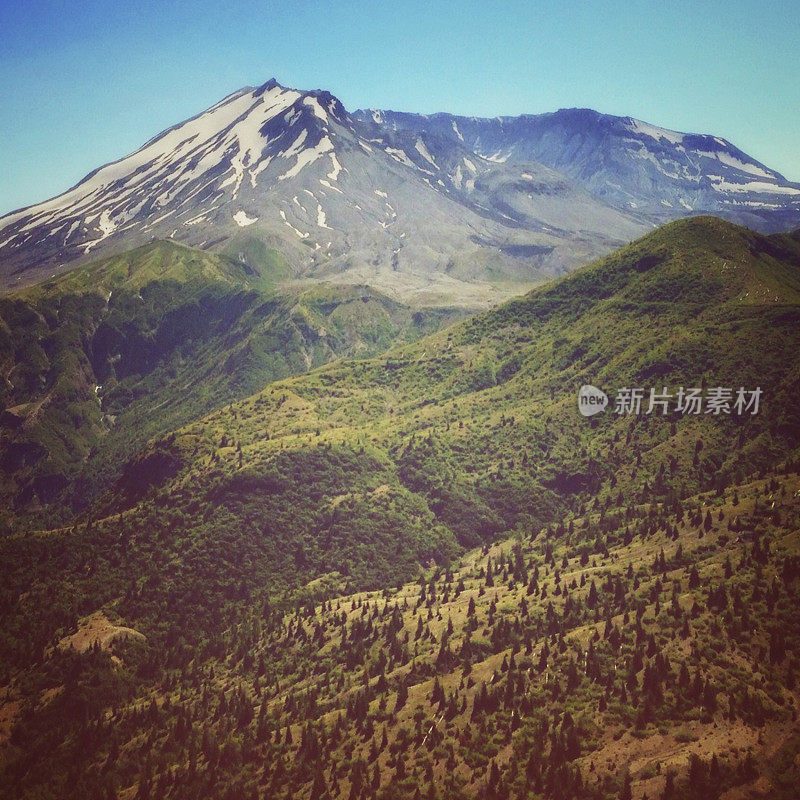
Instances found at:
x=86 y=82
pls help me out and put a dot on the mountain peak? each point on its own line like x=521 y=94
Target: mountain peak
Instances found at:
x=372 y=190
x=578 y=113
x=265 y=87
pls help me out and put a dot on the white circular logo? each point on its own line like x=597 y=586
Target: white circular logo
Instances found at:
x=591 y=400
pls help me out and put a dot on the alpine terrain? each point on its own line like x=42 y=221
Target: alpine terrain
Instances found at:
x=417 y=216
x=431 y=209
x=631 y=165
x=297 y=498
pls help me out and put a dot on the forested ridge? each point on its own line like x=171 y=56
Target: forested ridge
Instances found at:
x=424 y=574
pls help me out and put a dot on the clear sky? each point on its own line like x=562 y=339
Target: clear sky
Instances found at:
x=86 y=82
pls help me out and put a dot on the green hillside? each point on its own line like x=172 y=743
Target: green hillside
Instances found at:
x=480 y=422
x=425 y=574
x=107 y=356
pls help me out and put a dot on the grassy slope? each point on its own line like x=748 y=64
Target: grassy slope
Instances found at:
x=480 y=422
x=685 y=657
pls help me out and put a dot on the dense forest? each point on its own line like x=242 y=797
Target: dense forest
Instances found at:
x=420 y=572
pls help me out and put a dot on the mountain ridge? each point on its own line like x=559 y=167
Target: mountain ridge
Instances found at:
x=668 y=173
x=728 y=278
x=411 y=204
x=425 y=570
x=134 y=335
x=99 y=359
x=335 y=198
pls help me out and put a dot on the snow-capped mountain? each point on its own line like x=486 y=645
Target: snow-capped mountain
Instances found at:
x=415 y=214
x=632 y=165
x=428 y=208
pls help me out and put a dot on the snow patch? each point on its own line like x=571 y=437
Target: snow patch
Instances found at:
x=721 y=185
x=297 y=145
x=735 y=163
x=318 y=110
x=238 y=173
x=644 y=129
x=156 y=220
x=337 y=167
x=71 y=230
x=196 y=219
x=289 y=224
x=758 y=204
x=419 y=146
x=400 y=155
x=308 y=156
x=106 y=224
x=242 y=220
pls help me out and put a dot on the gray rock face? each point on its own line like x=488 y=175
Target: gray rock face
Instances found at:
x=416 y=214
x=636 y=167
x=428 y=209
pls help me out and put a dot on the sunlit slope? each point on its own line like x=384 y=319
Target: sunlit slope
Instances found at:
x=560 y=607
x=479 y=423
x=106 y=356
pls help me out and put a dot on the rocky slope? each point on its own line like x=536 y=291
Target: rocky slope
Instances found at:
x=630 y=164
x=415 y=215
